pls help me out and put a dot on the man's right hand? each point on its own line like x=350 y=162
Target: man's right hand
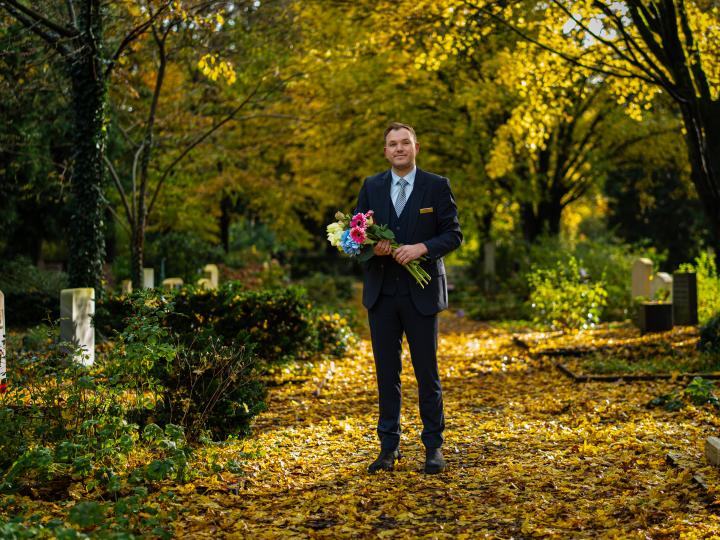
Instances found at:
x=382 y=248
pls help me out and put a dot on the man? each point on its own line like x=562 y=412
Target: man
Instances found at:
x=420 y=209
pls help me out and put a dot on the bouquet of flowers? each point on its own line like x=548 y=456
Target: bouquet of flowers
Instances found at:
x=350 y=234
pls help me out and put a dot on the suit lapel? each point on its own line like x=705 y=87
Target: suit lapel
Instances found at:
x=413 y=204
x=382 y=212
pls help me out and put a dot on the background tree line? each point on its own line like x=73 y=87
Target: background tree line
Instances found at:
x=133 y=119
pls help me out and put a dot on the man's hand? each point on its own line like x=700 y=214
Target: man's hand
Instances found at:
x=382 y=248
x=405 y=254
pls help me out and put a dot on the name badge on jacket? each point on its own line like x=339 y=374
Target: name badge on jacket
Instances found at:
x=426 y=210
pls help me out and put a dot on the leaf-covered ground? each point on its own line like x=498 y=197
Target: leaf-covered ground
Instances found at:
x=530 y=453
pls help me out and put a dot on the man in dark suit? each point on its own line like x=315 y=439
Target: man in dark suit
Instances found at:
x=420 y=209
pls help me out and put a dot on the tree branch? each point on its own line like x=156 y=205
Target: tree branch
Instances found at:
x=41 y=19
x=52 y=40
x=135 y=33
x=197 y=141
x=565 y=56
x=632 y=44
x=118 y=185
x=71 y=13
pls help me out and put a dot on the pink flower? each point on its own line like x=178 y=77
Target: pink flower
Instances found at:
x=369 y=213
x=357 y=234
x=358 y=220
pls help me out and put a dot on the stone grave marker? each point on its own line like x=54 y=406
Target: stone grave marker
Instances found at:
x=204 y=283
x=214 y=275
x=148 y=278
x=712 y=451
x=126 y=286
x=685 y=298
x=661 y=282
x=642 y=271
x=77 y=306
x=172 y=283
x=3 y=372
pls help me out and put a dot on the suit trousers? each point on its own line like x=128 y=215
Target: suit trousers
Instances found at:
x=389 y=318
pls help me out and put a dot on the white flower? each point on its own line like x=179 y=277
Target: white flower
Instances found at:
x=334 y=234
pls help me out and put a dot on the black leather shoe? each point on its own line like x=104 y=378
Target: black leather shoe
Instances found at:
x=434 y=461
x=385 y=461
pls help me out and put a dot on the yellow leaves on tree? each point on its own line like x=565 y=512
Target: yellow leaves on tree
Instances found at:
x=214 y=68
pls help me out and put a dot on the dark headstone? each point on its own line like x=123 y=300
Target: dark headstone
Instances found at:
x=685 y=300
x=656 y=317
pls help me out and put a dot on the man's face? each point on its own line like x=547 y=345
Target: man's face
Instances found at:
x=401 y=149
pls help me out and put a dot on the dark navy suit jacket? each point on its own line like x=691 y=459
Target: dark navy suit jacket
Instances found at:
x=437 y=226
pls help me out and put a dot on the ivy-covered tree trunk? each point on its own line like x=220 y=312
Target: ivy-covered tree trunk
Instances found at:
x=137 y=255
x=86 y=239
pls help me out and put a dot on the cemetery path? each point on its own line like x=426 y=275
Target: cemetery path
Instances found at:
x=530 y=453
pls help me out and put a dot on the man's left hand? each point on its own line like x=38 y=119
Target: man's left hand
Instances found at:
x=410 y=252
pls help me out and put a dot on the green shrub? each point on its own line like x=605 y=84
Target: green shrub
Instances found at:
x=606 y=260
x=561 y=298
x=31 y=295
x=335 y=336
x=194 y=378
x=329 y=290
x=710 y=335
x=278 y=322
x=183 y=255
x=708 y=283
x=64 y=424
x=699 y=392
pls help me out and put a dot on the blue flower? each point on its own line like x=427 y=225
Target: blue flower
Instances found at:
x=349 y=245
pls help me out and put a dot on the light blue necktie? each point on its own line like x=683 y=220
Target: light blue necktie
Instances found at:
x=401 y=198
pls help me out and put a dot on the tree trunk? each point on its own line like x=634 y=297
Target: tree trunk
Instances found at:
x=543 y=219
x=137 y=254
x=225 y=220
x=85 y=236
x=702 y=126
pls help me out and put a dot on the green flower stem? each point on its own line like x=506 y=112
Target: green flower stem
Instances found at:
x=418 y=272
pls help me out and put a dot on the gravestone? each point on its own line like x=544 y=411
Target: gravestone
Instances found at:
x=172 y=283
x=214 y=276
x=642 y=271
x=685 y=299
x=204 y=283
x=655 y=317
x=3 y=373
x=148 y=278
x=126 y=286
x=661 y=282
x=712 y=451
x=77 y=306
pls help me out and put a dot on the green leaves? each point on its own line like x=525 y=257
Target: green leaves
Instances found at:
x=87 y=514
x=561 y=298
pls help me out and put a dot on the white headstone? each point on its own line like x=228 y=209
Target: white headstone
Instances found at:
x=148 y=278
x=214 y=275
x=204 y=283
x=126 y=286
x=172 y=283
x=642 y=271
x=3 y=373
x=661 y=281
x=77 y=306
